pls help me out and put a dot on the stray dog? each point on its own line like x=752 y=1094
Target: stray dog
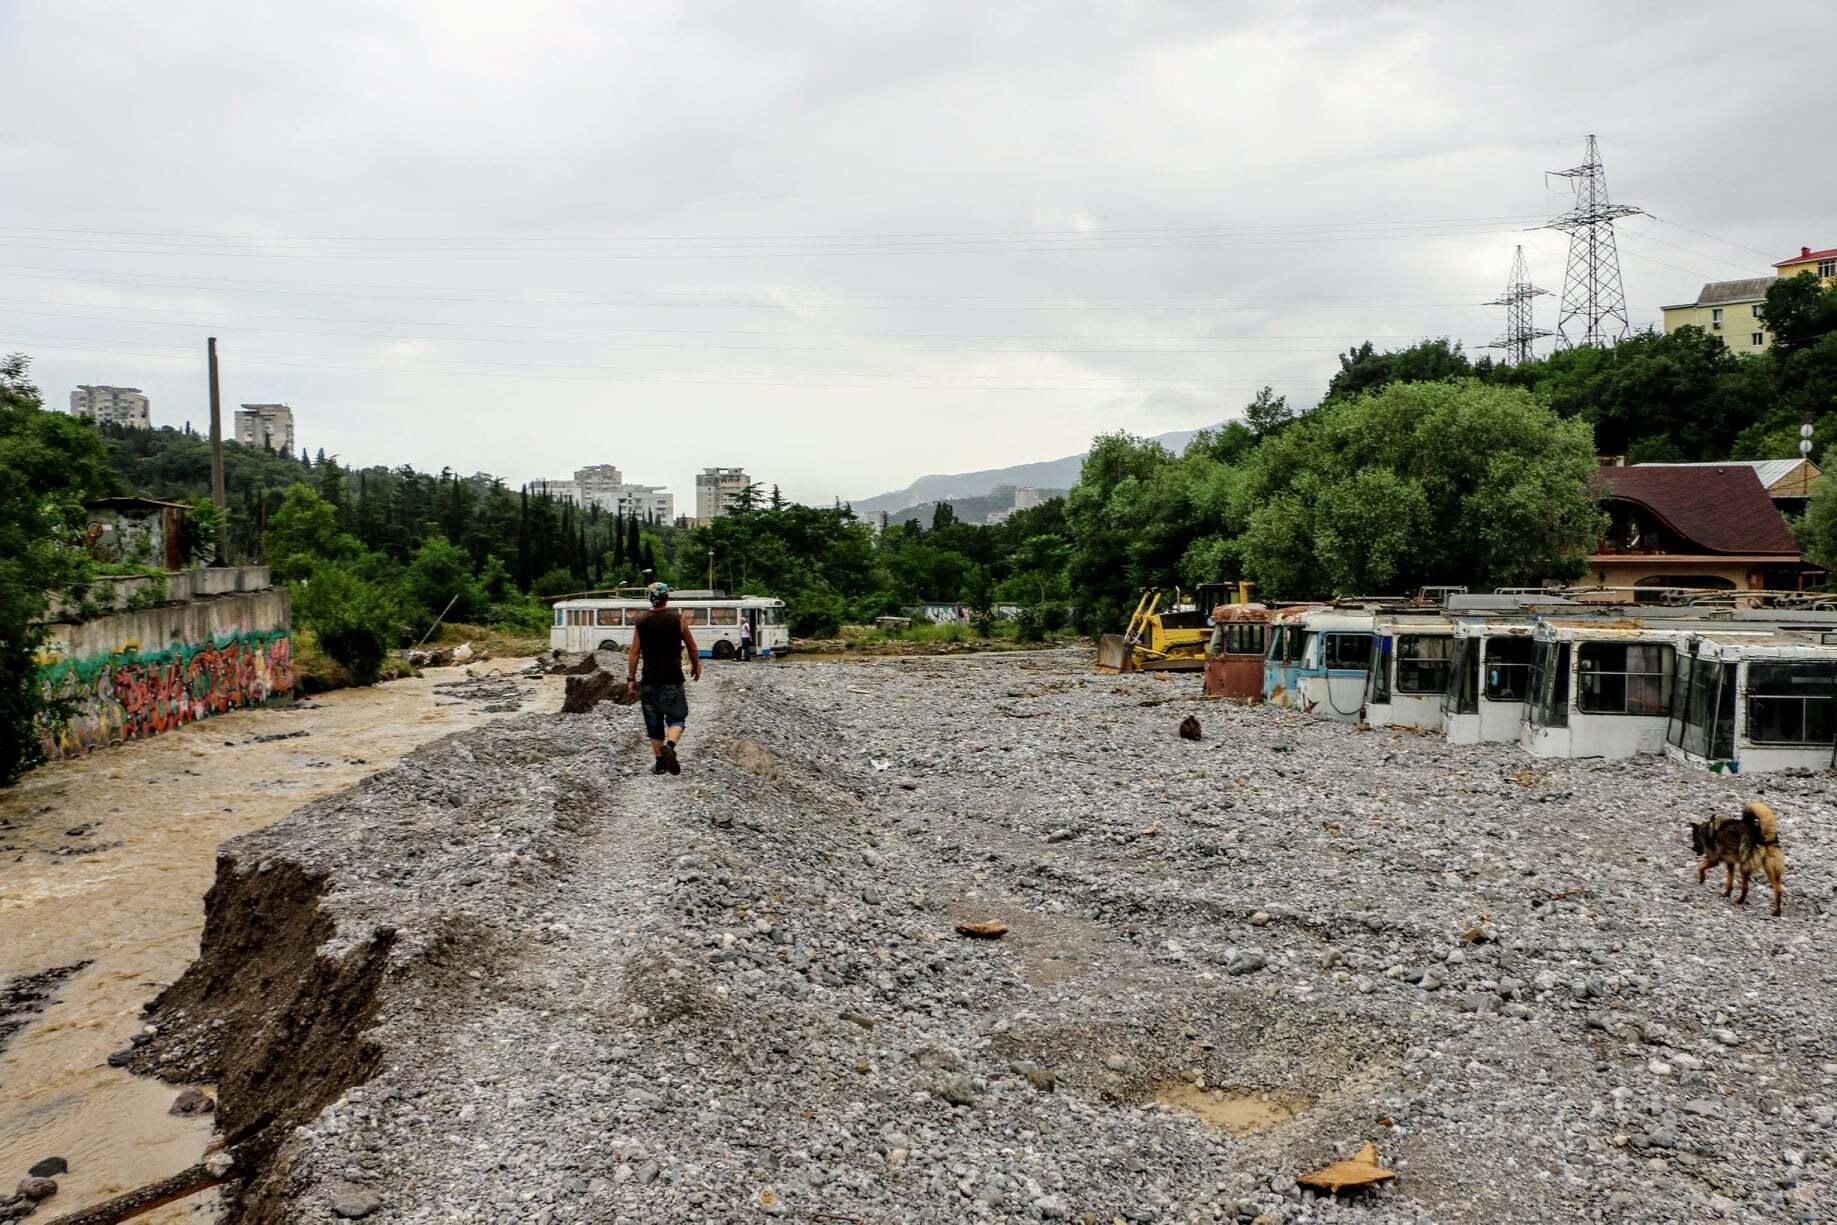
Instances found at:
x=1750 y=842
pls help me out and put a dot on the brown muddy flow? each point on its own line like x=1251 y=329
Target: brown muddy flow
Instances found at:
x=104 y=862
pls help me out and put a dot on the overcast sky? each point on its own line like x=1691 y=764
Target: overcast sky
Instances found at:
x=843 y=245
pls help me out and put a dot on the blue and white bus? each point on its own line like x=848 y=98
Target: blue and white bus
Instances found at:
x=596 y=623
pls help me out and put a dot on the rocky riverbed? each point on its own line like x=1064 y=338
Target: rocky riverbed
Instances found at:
x=519 y=979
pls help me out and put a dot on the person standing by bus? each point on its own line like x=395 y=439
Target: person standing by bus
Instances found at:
x=746 y=636
x=658 y=642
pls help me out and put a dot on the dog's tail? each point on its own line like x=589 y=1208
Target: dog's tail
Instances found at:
x=1759 y=817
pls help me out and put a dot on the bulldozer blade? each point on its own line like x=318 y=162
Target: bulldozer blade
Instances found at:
x=1115 y=654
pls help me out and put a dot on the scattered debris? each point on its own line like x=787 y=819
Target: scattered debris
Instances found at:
x=989 y=930
x=1361 y=1170
x=1189 y=728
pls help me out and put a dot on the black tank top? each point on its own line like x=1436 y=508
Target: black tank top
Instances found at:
x=660 y=646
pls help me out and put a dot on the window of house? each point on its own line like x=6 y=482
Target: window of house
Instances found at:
x=1346 y=652
x=1624 y=678
x=1508 y=669
x=1715 y=315
x=1792 y=703
x=1827 y=267
x=1424 y=662
x=1755 y=309
x=1757 y=339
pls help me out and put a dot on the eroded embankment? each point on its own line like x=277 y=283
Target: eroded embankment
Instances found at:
x=312 y=923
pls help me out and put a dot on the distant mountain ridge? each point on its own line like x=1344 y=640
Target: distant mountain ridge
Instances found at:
x=1044 y=474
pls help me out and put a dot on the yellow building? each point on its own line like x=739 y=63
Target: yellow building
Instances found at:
x=1821 y=264
x=1731 y=309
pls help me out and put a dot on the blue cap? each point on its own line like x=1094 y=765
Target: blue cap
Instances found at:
x=659 y=592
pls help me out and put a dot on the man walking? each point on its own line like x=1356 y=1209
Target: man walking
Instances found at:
x=659 y=640
x=746 y=637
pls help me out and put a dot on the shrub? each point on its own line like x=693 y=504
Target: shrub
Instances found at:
x=816 y=612
x=1030 y=625
x=556 y=582
x=356 y=621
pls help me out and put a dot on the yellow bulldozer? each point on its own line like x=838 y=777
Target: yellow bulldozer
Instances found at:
x=1170 y=638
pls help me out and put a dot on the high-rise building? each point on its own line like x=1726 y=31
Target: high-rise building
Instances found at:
x=112 y=406
x=716 y=490
x=269 y=426
x=604 y=486
x=1026 y=497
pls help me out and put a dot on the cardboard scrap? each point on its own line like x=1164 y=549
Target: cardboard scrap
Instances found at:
x=1362 y=1170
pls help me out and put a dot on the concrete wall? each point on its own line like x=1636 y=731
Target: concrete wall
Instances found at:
x=129 y=675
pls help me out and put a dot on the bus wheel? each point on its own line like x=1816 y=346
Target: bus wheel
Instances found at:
x=723 y=650
x=609 y=645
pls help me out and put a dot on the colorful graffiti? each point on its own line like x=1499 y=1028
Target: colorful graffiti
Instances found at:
x=129 y=696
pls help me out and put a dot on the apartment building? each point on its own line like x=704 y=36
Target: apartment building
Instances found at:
x=605 y=487
x=112 y=406
x=1731 y=310
x=716 y=490
x=269 y=426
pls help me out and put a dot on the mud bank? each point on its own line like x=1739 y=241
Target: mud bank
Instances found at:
x=556 y=989
x=324 y=932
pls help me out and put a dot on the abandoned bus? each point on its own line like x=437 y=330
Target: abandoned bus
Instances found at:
x=1490 y=681
x=1335 y=657
x=1412 y=656
x=605 y=623
x=1600 y=688
x=1234 y=658
x=1753 y=703
x=1282 y=659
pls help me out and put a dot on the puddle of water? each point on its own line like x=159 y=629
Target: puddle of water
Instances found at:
x=105 y=859
x=1240 y=1111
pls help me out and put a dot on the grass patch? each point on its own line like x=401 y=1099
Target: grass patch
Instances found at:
x=490 y=639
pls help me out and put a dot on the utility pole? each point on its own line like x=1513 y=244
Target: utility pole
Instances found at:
x=1520 y=331
x=216 y=429
x=1594 y=310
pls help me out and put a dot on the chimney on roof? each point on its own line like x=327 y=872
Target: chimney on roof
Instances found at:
x=1804 y=252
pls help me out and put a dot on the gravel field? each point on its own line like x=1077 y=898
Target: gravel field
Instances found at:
x=590 y=994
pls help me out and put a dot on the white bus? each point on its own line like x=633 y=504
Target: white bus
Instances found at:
x=605 y=623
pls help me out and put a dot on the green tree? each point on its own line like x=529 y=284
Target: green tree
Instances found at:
x=49 y=463
x=303 y=534
x=355 y=619
x=439 y=573
x=1818 y=530
x=556 y=582
x=1419 y=483
x=1267 y=413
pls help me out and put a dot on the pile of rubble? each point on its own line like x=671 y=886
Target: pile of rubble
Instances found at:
x=987 y=939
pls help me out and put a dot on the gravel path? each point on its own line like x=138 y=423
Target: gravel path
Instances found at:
x=737 y=994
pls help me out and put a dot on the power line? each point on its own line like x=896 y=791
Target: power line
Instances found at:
x=785 y=302
x=368 y=333
x=691 y=382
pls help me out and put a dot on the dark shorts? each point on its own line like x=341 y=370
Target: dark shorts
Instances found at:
x=664 y=706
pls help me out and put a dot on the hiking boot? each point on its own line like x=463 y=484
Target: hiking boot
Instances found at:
x=657 y=767
x=669 y=758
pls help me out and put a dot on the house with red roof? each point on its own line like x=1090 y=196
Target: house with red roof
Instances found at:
x=1730 y=310
x=1695 y=525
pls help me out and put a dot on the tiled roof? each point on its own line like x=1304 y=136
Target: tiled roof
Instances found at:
x=1720 y=509
x=1718 y=292
x=1800 y=259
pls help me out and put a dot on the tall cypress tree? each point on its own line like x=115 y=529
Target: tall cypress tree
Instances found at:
x=618 y=542
x=524 y=579
x=633 y=550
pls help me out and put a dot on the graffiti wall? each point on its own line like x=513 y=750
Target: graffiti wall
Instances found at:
x=128 y=695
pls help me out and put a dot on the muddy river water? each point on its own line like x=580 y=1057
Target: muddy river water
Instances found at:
x=104 y=862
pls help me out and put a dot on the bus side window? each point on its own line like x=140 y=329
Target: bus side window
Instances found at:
x=606 y=616
x=723 y=616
